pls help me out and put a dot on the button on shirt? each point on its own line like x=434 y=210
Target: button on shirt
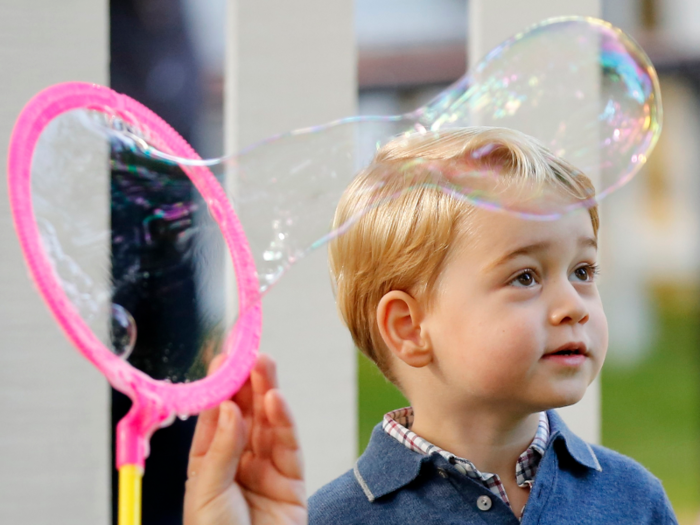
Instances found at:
x=398 y=425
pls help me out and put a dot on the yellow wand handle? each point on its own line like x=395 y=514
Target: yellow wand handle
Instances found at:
x=130 y=495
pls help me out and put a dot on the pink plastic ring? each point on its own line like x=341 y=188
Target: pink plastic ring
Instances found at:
x=154 y=402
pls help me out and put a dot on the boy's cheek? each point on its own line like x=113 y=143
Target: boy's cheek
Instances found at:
x=600 y=347
x=600 y=325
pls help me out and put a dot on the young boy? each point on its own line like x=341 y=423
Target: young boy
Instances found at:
x=486 y=322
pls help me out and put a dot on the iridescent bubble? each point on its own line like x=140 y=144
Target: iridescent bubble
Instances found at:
x=579 y=86
x=122 y=332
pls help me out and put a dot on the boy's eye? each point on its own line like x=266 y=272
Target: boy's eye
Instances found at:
x=524 y=279
x=586 y=273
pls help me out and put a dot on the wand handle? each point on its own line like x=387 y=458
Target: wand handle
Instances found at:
x=130 y=495
x=133 y=434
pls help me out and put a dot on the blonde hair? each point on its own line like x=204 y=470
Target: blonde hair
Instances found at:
x=402 y=244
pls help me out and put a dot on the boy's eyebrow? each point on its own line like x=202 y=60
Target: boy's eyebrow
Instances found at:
x=588 y=241
x=524 y=250
x=537 y=247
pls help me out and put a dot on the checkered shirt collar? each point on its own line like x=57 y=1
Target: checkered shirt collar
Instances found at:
x=398 y=425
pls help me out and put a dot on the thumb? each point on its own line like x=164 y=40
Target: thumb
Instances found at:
x=220 y=463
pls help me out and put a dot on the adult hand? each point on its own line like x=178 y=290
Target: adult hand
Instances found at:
x=245 y=465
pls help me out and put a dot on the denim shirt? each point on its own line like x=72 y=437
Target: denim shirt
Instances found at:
x=576 y=484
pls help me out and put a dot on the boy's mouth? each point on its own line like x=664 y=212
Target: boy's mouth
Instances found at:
x=569 y=349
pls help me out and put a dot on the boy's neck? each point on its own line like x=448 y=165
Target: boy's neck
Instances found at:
x=492 y=441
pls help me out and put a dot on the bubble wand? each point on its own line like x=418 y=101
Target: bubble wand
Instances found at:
x=155 y=403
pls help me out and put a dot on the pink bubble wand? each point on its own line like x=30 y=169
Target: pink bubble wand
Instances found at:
x=154 y=403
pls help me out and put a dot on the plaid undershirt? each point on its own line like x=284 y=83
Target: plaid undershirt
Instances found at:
x=398 y=424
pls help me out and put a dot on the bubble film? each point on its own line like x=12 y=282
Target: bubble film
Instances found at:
x=124 y=226
x=133 y=245
x=579 y=86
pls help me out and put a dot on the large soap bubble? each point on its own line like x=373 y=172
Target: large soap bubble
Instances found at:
x=579 y=86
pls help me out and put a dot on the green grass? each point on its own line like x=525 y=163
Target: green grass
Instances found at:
x=376 y=397
x=650 y=412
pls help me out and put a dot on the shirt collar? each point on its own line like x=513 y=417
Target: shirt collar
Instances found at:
x=398 y=425
x=387 y=466
x=577 y=448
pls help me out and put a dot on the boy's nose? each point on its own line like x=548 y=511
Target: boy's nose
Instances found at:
x=568 y=308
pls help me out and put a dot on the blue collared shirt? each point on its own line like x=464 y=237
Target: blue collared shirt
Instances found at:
x=398 y=423
x=576 y=484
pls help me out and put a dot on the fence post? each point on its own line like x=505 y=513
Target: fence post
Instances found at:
x=290 y=65
x=490 y=23
x=54 y=441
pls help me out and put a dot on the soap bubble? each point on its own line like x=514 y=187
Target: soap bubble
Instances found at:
x=579 y=86
x=133 y=246
x=122 y=332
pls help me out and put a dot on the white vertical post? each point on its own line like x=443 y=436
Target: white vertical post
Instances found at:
x=679 y=22
x=490 y=23
x=54 y=436
x=289 y=65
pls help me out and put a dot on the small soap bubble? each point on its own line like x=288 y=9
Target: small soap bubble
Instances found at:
x=122 y=331
x=270 y=255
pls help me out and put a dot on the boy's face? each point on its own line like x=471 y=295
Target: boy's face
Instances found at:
x=513 y=293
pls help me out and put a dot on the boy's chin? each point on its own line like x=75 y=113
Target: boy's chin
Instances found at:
x=559 y=398
x=567 y=392
x=565 y=399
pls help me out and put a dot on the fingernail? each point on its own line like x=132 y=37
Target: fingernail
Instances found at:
x=225 y=416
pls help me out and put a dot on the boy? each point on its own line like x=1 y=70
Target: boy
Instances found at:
x=485 y=321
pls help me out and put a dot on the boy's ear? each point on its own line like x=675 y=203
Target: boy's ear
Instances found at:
x=400 y=318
